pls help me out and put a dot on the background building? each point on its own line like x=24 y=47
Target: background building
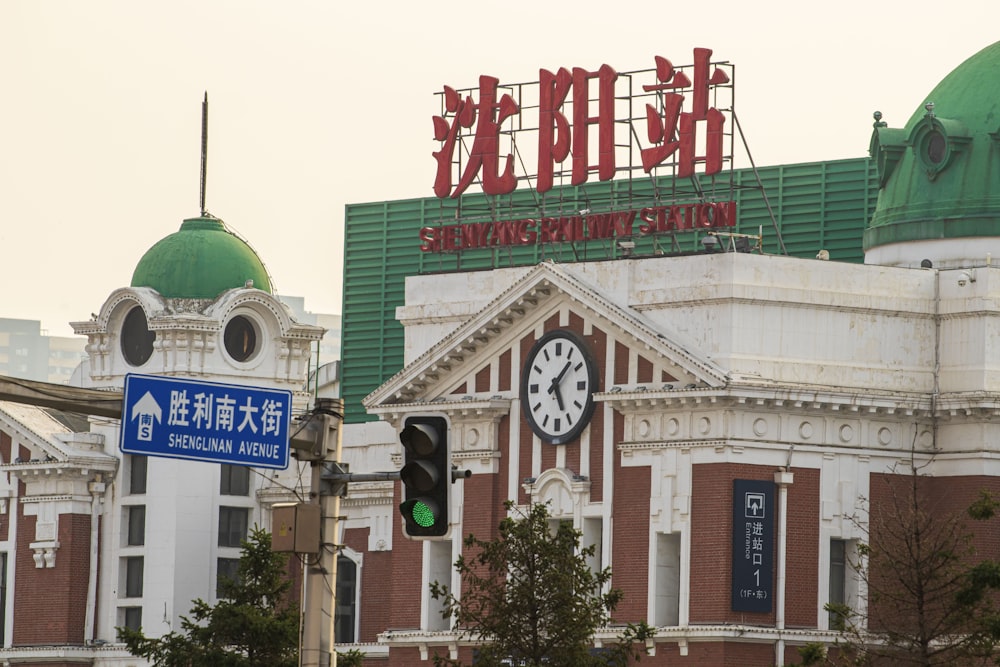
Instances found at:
x=28 y=352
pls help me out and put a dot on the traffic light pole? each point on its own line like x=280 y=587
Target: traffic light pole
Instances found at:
x=320 y=582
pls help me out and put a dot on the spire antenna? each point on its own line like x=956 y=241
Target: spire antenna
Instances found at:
x=204 y=151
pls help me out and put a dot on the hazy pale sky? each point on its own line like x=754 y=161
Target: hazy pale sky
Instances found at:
x=317 y=104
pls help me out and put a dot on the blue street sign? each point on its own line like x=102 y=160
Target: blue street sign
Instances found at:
x=205 y=421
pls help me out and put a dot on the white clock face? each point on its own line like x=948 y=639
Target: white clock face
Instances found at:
x=557 y=385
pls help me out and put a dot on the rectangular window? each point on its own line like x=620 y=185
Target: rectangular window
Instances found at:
x=235 y=480
x=136 y=525
x=131 y=617
x=137 y=473
x=439 y=553
x=838 y=580
x=668 y=579
x=133 y=576
x=233 y=526
x=593 y=534
x=347 y=600
x=225 y=568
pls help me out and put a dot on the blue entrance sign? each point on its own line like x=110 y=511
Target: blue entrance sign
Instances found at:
x=753 y=545
x=205 y=421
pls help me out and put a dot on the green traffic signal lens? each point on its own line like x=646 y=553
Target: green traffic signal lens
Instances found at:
x=422 y=515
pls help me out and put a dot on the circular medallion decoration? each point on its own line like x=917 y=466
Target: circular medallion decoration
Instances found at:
x=558 y=380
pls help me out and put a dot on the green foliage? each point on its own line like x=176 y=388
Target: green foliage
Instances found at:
x=352 y=658
x=254 y=626
x=812 y=653
x=530 y=598
x=984 y=507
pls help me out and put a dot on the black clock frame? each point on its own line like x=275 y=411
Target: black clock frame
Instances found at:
x=588 y=408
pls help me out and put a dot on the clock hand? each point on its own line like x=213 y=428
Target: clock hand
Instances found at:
x=557 y=379
x=559 y=399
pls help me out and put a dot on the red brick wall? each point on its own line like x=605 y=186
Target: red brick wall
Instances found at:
x=51 y=603
x=700 y=654
x=644 y=370
x=505 y=372
x=630 y=539
x=711 y=545
x=5 y=445
x=5 y=449
x=802 y=573
x=483 y=380
x=713 y=654
x=405 y=588
x=621 y=364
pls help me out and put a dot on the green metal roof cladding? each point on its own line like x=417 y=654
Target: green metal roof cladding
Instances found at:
x=940 y=175
x=200 y=261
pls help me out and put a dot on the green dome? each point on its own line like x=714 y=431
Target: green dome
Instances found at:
x=200 y=261
x=939 y=176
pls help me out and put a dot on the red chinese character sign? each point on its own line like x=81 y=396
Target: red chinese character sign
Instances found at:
x=578 y=125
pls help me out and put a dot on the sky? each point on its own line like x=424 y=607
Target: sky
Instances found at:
x=314 y=105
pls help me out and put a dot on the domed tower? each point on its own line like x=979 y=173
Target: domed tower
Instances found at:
x=939 y=177
x=199 y=305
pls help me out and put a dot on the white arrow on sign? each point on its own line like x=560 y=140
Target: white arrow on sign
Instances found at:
x=147 y=409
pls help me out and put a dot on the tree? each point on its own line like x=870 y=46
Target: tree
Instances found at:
x=255 y=625
x=531 y=599
x=929 y=600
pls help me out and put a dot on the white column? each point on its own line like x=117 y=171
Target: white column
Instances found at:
x=783 y=478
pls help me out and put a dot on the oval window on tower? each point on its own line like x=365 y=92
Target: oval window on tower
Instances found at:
x=137 y=339
x=240 y=338
x=936 y=147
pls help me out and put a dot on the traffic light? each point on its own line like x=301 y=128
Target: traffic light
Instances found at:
x=426 y=476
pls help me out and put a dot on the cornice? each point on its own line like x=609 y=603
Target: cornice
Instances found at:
x=761 y=397
x=464 y=409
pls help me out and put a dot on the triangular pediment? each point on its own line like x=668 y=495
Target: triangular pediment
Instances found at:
x=546 y=296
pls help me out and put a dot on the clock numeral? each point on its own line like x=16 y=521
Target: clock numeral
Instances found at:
x=578 y=366
x=546 y=421
x=557 y=425
x=578 y=404
x=533 y=389
x=569 y=420
x=558 y=349
x=537 y=369
x=582 y=385
x=569 y=355
x=535 y=407
x=546 y=353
